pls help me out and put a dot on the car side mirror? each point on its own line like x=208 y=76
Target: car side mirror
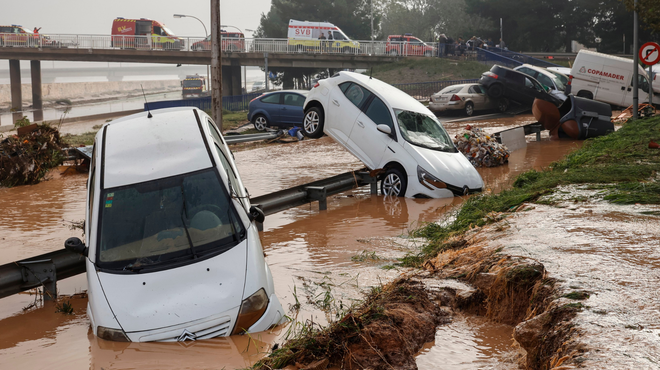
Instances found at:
x=75 y=245
x=384 y=129
x=256 y=214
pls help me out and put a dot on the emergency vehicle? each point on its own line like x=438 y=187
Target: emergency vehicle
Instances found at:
x=303 y=35
x=193 y=86
x=231 y=41
x=608 y=79
x=143 y=33
x=16 y=35
x=408 y=45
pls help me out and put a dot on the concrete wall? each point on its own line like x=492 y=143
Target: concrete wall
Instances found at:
x=88 y=90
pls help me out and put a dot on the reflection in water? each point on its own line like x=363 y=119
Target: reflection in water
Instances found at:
x=303 y=246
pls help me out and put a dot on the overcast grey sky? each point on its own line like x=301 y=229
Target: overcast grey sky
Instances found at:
x=95 y=17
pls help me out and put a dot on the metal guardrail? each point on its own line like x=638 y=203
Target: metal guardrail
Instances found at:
x=44 y=270
x=237 y=45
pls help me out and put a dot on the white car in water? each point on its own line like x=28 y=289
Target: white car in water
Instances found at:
x=391 y=132
x=172 y=252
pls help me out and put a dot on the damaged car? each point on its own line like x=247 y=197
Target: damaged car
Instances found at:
x=393 y=134
x=171 y=248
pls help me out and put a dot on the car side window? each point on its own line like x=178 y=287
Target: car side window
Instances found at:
x=357 y=94
x=379 y=113
x=344 y=86
x=528 y=83
x=480 y=89
x=545 y=80
x=294 y=99
x=473 y=90
x=272 y=99
x=214 y=132
x=235 y=190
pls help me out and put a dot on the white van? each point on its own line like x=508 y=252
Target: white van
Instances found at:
x=320 y=36
x=172 y=252
x=607 y=78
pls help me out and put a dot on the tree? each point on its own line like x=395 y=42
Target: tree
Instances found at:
x=648 y=12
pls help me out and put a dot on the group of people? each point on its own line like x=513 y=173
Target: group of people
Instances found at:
x=322 y=36
x=449 y=46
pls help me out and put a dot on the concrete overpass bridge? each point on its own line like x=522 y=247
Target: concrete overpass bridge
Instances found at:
x=268 y=53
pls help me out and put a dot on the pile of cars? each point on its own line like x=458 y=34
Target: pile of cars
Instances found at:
x=500 y=86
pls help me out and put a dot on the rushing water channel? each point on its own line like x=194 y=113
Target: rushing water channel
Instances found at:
x=317 y=258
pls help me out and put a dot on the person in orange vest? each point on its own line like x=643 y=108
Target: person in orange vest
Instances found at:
x=36 y=30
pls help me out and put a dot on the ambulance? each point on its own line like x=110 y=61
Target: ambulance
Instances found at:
x=608 y=79
x=194 y=86
x=143 y=33
x=303 y=35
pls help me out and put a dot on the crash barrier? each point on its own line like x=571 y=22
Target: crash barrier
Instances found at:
x=424 y=90
x=235 y=139
x=44 y=270
x=510 y=58
x=231 y=103
x=582 y=118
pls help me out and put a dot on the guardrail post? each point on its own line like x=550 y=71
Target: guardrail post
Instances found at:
x=371 y=180
x=318 y=193
x=40 y=273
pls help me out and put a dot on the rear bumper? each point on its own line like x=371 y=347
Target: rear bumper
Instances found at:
x=445 y=106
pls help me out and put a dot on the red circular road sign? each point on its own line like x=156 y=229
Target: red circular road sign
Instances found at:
x=649 y=53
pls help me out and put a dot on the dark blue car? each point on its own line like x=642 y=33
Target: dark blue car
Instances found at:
x=280 y=108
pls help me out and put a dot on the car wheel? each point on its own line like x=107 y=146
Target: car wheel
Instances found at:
x=495 y=91
x=469 y=109
x=313 y=123
x=394 y=53
x=427 y=53
x=502 y=105
x=260 y=122
x=347 y=50
x=394 y=183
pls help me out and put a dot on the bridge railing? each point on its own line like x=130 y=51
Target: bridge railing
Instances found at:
x=262 y=45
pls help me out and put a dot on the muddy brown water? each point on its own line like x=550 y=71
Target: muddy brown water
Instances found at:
x=323 y=260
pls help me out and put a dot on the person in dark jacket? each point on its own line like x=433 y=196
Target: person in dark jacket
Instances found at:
x=442 y=42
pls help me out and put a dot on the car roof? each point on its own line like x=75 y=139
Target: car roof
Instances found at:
x=301 y=92
x=459 y=85
x=396 y=98
x=538 y=69
x=139 y=149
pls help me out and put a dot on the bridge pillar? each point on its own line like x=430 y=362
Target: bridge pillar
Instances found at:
x=231 y=80
x=15 y=81
x=37 y=98
x=236 y=78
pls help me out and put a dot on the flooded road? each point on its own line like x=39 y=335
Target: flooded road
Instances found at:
x=321 y=260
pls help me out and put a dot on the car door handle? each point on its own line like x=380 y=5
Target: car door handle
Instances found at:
x=335 y=102
x=360 y=124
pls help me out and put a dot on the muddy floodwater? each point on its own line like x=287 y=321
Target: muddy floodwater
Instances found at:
x=322 y=260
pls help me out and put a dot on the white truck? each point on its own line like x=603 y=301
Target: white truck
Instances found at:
x=608 y=79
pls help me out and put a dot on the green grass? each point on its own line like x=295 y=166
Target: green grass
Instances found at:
x=435 y=69
x=77 y=140
x=621 y=163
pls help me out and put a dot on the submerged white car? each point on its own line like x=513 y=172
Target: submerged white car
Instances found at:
x=388 y=130
x=172 y=252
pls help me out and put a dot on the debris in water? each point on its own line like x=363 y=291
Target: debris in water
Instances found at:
x=25 y=159
x=480 y=148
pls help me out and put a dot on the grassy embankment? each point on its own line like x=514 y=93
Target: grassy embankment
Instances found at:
x=230 y=120
x=621 y=165
x=411 y=70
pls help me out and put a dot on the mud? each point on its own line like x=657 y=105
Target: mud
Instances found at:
x=323 y=260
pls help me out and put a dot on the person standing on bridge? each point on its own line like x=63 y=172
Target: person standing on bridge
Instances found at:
x=36 y=30
x=322 y=42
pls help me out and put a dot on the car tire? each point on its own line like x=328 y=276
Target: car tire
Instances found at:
x=495 y=91
x=502 y=105
x=427 y=53
x=347 y=50
x=260 y=122
x=394 y=53
x=469 y=109
x=394 y=183
x=313 y=123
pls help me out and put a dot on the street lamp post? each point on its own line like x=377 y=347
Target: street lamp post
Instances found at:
x=208 y=74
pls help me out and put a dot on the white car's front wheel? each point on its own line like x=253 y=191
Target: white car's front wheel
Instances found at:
x=394 y=183
x=313 y=123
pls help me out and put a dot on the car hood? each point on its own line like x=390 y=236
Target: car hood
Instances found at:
x=451 y=168
x=154 y=300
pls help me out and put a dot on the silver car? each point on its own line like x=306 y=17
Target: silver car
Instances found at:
x=466 y=97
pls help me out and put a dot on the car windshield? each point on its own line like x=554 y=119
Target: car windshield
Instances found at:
x=192 y=83
x=560 y=80
x=166 y=221
x=423 y=130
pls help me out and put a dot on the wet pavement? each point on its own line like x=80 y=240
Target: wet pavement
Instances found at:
x=323 y=260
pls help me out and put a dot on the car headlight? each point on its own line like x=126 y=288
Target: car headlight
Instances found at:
x=251 y=311
x=115 y=335
x=426 y=179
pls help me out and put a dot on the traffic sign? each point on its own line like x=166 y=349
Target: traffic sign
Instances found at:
x=649 y=53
